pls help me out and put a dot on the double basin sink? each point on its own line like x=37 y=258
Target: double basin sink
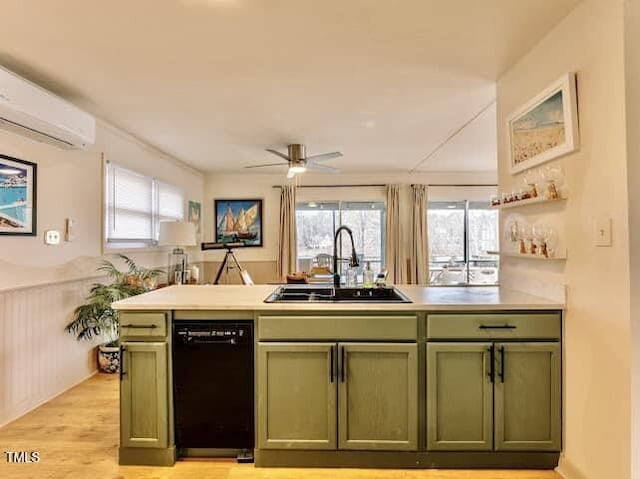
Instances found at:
x=328 y=294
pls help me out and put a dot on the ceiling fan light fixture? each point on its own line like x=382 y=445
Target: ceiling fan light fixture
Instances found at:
x=297 y=169
x=298 y=162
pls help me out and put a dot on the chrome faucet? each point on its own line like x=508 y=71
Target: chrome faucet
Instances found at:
x=353 y=261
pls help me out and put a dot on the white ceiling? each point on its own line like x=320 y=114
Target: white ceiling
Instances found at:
x=214 y=82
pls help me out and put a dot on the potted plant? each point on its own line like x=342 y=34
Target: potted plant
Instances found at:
x=96 y=318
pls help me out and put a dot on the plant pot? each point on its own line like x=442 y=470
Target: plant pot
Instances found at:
x=108 y=359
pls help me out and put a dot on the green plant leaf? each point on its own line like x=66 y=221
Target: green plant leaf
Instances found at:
x=96 y=318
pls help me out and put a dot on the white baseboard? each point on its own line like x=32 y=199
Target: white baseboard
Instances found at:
x=36 y=406
x=567 y=470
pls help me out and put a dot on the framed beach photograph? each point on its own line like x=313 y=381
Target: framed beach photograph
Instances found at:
x=195 y=215
x=238 y=221
x=17 y=196
x=546 y=127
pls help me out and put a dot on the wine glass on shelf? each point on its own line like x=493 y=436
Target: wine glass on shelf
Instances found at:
x=538 y=232
x=523 y=236
x=553 y=178
x=513 y=231
x=530 y=242
x=550 y=241
x=530 y=179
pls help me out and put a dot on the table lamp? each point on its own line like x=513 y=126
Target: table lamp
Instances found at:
x=178 y=234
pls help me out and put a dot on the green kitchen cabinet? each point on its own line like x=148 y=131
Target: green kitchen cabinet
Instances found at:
x=144 y=395
x=297 y=396
x=527 y=397
x=459 y=397
x=300 y=386
x=378 y=396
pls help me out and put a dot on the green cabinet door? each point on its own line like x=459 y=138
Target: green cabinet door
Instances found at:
x=527 y=397
x=459 y=397
x=297 y=396
x=378 y=396
x=144 y=395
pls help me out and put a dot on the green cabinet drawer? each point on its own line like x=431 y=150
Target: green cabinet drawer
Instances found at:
x=143 y=326
x=342 y=327
x=543 y=325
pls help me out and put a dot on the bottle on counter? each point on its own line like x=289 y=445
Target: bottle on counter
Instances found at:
x=381 y=279
x=368 y=276
x=195 y=274
x=352 y=278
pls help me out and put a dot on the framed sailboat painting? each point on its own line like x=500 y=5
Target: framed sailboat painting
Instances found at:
x=238 y=221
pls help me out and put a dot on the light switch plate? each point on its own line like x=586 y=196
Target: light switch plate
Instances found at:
x=68 y=230
x=52 y=237
x=602 y=232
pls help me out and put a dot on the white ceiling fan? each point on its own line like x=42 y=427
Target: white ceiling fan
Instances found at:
x=299 y=162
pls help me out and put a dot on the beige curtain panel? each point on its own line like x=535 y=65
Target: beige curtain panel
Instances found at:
x=419 y=254
x=395 y=260
x=287 y=241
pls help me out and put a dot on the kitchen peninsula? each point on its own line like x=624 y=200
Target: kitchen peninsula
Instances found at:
x=457 y=377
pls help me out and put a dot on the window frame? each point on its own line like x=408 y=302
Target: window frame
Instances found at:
x=466 y=260
x=112 y=246
x=337 y=207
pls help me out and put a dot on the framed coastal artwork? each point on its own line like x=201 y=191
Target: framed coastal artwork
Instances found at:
x=194 y=215
x=17 y=196
x=238 y=221
x=546 y=127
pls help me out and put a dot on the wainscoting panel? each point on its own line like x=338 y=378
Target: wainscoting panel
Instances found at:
x=38 y=359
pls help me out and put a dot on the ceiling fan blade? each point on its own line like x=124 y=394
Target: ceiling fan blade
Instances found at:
x=268 y=164
x=324 y=156
x=317 y=167
x=277 y=153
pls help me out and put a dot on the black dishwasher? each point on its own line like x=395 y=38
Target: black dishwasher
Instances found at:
x=213 y=384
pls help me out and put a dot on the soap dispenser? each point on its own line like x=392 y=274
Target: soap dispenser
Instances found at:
x=368 y=276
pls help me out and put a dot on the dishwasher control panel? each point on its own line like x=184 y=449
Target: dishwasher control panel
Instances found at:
x=191 y=332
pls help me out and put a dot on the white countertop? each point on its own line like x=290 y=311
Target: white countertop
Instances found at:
x=251 y=298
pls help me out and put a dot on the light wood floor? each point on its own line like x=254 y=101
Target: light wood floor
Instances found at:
x=77 y=437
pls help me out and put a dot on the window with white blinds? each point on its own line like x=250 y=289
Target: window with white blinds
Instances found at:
x=135 y=205
x=169 y=202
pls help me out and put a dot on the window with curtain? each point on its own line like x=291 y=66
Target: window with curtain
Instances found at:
x=463 y=235
x=317 y=222
x=135 y=205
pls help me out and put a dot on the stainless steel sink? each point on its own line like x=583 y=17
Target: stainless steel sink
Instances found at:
x=327 y=294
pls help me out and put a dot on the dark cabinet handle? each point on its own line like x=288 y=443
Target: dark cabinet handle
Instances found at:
x=331 y=367
x=497 y=326
x=492 y=361
x=501 y=374
x=122 y=371
x=344 y=365
x=140 y=326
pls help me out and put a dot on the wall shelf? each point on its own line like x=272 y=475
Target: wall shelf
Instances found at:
x=530 y=201
x=558 y=257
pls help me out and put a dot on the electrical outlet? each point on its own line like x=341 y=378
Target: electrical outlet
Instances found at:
x=602 y=232
x=52 y=237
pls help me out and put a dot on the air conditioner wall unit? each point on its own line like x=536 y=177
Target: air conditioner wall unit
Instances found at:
x=29 y=110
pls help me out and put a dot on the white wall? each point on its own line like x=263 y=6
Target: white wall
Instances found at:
x=597 y=328
x=41 y=285
x=70 y=186
x=632 y=69
x=261 y=186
